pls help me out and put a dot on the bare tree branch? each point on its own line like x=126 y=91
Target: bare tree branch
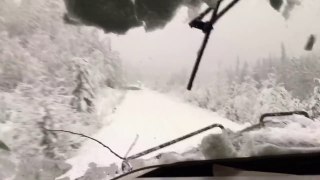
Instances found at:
x=114 y=153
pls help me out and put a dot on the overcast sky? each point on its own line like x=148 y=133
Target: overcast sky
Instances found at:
x=252 y=30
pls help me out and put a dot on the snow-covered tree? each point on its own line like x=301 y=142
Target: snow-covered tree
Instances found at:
x=313 y=103
x=50 y=76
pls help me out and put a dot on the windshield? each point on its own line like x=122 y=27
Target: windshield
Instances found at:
x=93 y=89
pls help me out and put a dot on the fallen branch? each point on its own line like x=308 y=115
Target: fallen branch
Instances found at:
x=79 y=134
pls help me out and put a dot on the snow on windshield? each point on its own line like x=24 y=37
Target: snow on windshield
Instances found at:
x=293 y=134
x=87 y=85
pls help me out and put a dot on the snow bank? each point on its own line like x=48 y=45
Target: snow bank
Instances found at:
x=293 y=134
x=30 y=168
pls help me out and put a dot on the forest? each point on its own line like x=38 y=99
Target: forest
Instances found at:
x=245 y=91
x=50 y=76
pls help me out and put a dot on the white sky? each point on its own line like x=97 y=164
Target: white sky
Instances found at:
x=252 y=30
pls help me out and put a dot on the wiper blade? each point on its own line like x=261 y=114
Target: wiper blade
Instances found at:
x=169 y=143
x=206 y=27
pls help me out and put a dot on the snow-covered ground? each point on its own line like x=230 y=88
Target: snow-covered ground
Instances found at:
x=153 y=117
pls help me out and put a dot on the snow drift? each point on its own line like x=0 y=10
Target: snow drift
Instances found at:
x=293 y=134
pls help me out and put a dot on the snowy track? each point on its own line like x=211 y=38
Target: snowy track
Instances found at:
x=155 y=118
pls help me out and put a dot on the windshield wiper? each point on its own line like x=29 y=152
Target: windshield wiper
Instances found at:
x=127 y=167
x=206 y=28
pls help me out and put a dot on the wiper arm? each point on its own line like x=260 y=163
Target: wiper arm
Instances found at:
x=169 y=143
x=206 y=27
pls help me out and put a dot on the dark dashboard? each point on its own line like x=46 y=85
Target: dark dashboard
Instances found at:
x=293 y=166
